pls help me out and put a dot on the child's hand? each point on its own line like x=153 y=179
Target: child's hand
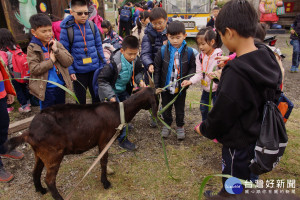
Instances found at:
x=54 y=45
x=73 y=77
x=142 y=84
x=113 y=99
x=292 y=31
x=151 y=68
x=165 y=42
x=52 y=56
x=215 y=74
x=10 y=99
x=222 y=58
x=186 y=83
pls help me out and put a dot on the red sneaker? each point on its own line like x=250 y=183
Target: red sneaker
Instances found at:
x=5 y=176
x=14 y=154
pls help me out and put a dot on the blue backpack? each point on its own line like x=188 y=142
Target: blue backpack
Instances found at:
x=125 y=14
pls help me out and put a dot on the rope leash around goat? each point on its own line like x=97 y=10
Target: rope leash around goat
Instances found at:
x=120 y=127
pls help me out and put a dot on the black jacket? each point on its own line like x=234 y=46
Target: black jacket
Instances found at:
x=235 y=119
x=296 y=27
x=161 y=66
x=109 y=74
x=211 y=23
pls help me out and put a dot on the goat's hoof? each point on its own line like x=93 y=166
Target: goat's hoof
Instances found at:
x=106 y=184
x=42 y=190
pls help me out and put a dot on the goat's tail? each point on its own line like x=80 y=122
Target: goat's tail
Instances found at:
x=16 y=141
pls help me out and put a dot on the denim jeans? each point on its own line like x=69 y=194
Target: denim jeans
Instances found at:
x=205 y=100
x=120 y=98
x=4 y=123
x=296 y=53
x=53 y=96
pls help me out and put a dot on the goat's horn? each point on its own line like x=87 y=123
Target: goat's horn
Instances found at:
x=158 y=90
x=150 y=81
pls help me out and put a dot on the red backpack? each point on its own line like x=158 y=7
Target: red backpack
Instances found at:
x=20 y=65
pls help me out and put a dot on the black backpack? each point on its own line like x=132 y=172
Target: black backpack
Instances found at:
x=272 y=140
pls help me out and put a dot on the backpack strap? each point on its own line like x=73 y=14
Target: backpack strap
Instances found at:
x=152 y=40
x=163 y=48
x=190 y=54
x=70 y=31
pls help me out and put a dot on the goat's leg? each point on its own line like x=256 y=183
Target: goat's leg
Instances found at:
x=37 y=171
x=52 y=166
x=103 y=162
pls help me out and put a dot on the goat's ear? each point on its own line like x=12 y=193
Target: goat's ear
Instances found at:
x=151 y=83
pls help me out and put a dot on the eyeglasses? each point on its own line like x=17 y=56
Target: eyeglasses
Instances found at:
x=158 y=24
x=81 y=13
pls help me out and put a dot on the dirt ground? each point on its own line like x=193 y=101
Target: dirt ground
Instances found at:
x=143 y=174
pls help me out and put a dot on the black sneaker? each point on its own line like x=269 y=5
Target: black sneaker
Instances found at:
x=126 y=144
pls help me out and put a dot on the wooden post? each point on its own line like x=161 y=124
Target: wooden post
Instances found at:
x=101 y=9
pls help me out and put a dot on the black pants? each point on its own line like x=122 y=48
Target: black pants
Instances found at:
x=235 y=162
x=179 y=107
x=126 y=26
x=22 y=92
x=86 y=79
x=4 y=123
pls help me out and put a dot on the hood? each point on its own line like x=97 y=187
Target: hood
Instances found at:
x=34 y=40
x=149 y=29
x=260 y=66
x=68 y=22
x=116 y=57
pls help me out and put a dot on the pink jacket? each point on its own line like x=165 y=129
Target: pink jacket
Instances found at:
x=56 y=29
x=206 y=63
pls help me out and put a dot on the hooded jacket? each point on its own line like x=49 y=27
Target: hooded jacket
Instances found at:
x=94 y=44
x=109 y=74
x=235 y=120
x=148 y=49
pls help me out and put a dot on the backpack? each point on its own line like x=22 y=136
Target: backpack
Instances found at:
x=70 y=32
x=20 y=65
x=189 y=50
x=272 y=140
x=4 y=57
x=125 y=14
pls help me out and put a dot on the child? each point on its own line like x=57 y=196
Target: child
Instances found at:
x=116 y=80
x=235 y=119
x=85 y=47
x=295 y=41
x=155 y=37
x=171 y=63
x=8 y=45
x=209 y=43
x=110 y=36
x=125 y=14
x=7 y=94
x=215 y=12
x=48 y=60
x=139 y=29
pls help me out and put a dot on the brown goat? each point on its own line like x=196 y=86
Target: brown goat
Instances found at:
x=73 y=129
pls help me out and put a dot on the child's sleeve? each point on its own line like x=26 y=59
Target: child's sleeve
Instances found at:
x=157 y=68
x=192 y=67
x=105 y=89
x=146 y=53
x=36 y=66
x=64 y=40
x=198 y=76
x=63 y=56
x=98 y=44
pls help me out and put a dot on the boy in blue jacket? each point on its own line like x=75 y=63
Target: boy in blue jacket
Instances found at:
x=116 y=80
x=85 y=47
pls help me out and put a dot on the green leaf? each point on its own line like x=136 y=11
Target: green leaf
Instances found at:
x=54 y=83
